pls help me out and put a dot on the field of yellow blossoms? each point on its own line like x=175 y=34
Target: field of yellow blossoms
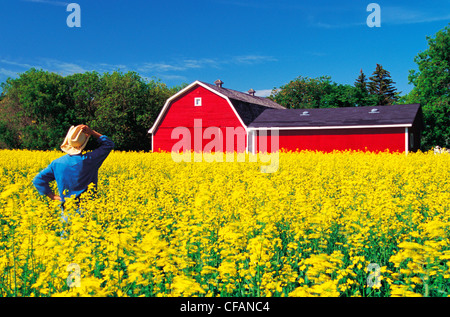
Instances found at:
x=338 y=224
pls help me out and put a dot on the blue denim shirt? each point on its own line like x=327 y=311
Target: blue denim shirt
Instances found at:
x=73 y=173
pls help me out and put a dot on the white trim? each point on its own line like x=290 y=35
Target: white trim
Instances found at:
x=168 y=102
x=198 y=102
x=406 y=141
x=251 y=140
x=254 y=142
x=334 y=127
x=151 y=148
x=248 y=142
x=166 y=105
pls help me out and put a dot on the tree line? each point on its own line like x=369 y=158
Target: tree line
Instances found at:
x=431 y=88
x=322 y=92
x=38 y=107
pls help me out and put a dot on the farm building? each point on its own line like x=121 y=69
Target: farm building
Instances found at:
x=206 y=117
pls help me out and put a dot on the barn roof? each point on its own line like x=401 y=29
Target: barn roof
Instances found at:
x=259 y=112
x=397 y=115
x=235 y=95
x=248 y=107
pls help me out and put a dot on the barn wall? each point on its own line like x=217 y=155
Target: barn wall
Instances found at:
x=377 y=139
x=416 y=132
x=215 y=117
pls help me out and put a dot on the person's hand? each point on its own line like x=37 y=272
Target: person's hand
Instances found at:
x=52 y=196
x=88 y=131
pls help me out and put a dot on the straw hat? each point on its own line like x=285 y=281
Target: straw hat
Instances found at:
x=75 y=140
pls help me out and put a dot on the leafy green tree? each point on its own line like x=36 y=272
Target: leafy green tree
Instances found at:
x=432 y=89
x=38 y=108
x=340 y=96
x=381 y=85
x=321 y=92
x=35 y=109
x=126 y=108
x=84 y=91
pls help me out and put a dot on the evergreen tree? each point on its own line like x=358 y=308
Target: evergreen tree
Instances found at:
x=361 y=81
x=381 y=85
x=362 y=96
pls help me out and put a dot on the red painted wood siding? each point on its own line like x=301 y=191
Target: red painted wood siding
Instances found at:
x=373 y=139
x=215 y=112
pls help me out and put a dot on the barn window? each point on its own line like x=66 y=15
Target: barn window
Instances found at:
x=198 y=102
x=411 y=140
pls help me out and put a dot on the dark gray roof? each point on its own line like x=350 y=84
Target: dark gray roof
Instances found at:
x=348 y=116
x=243 y=97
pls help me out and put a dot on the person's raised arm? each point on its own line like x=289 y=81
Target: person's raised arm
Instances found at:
x=89 y=131
x=106 y=145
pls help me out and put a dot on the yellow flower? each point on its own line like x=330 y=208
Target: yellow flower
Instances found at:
x=156 y=227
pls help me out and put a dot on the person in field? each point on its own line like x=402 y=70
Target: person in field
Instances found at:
x=75 y=171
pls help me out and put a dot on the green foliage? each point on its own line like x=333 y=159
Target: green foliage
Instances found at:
x=321 y=92
x=38 y=108
x=34 y=109
x=432 y=89
x=382 y=87
x=361 y=92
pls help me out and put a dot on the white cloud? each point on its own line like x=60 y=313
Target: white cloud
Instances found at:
x=7 y=72
x=252 y=59
x=179 y=65
x=187 y=64
x=64 y=68
x=21 y=65
x=173 y=77
x=263 y=93
x=61 y=67
x=390 y=15
x=160 y=67
x=407 y=15
x=55 y=3
x=177 y=70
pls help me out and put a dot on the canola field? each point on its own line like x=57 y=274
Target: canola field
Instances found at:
x=340 y=224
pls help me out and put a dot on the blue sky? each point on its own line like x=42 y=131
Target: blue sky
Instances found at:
x=259 y=44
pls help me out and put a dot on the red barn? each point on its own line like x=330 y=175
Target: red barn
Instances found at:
x=205 y=117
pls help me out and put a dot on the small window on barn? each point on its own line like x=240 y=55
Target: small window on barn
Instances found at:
x=198 y=102
x=411 y=140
